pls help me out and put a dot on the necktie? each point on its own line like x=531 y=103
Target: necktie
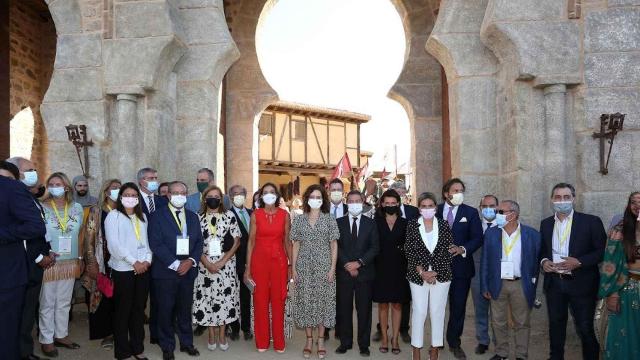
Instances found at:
x=178 y=217
x=354 y=229
x=243 y=218
x=450 y=216
x=335 y=212
x=152 y=206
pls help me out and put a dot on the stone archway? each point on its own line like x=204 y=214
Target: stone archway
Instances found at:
x=417 y=90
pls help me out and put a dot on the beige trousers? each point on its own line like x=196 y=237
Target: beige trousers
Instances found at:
x=512 y=296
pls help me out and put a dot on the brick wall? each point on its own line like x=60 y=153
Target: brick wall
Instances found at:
x=32 y=53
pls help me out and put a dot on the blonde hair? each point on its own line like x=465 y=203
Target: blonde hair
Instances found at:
x=203 y=200
x=102 y=200
x=68 y=195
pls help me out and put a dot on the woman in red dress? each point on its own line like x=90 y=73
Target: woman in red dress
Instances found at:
x=268 y=254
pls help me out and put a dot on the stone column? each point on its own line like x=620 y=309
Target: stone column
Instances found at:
x=555 y=149
x=125 y=137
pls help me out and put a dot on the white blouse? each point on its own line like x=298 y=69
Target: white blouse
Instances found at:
x=123 y=243
x=430 y=238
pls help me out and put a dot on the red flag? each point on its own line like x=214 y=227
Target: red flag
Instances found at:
x=362 y=174
x=343 y=168
x=384 y=173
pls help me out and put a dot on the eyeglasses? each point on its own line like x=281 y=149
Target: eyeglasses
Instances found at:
x=502 y=212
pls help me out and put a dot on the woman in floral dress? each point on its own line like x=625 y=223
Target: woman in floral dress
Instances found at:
x=620 y=284
x=216 y=293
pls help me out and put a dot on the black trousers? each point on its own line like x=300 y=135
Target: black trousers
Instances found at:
x=129 y=299
x=153 y=312
x=458 y=293
x=11 y=301
x=582 y=309
x=347 y=288
x=30 y=309
x=174 y=298
x=100 y=321
x=244 y=322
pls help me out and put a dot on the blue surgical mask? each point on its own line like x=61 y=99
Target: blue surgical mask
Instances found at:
x=152 y=186
x=489 y=213
x=501 y=220
x=113 y=194
x=563 y=207
x=30 y=178
x=56 y=192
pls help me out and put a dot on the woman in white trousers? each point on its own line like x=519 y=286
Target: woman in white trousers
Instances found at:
x=429 y=273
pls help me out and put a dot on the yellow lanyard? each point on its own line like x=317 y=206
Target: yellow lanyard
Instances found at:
x=175 y=218
x=212 y=228
x=508 y=248
x=565 y=234
x=61 y=221
x=136 y=227
x=109 y=207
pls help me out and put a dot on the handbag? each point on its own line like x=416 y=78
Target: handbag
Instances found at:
x=105 y=285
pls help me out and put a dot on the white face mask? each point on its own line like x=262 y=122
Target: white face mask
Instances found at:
x=315 y=203
x=269 y=199
x=238 y=200
x=30 y=178
x=355 y=209
x=113 y=194
x=129 y=202
x=428 y=213
x=178 y=201
x=336 y=196
x=457 y=199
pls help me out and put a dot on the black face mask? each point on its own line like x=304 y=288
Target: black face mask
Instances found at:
x=40 y=192
x=391 y=210
x=213 y=203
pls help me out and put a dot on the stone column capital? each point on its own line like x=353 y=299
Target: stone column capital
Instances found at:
x=129 y=97
x=555 y=88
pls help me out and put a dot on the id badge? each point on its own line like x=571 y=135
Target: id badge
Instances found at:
x=142 y=253
x=215 y=248
x=507 y=270
x=182 y=245
x=64 y=244
x=557 y=258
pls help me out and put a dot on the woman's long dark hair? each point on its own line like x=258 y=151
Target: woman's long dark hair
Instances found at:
x=389 y=193
x=323 y=193
x=629 y=223
x=136 y=210
x=261 y=202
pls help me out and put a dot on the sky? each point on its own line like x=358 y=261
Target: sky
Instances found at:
x=342 y=54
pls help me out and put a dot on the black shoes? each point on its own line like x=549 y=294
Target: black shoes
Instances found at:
x=342 y=349
x=481 y=349
x=377 y=336
x=365 y=352
x=406 y=338
x=248 y=336
x=31 y=357
x=458 y=353
x=234 y=336
x=498 y=357
x=166 y=355
x=192 y=351
x=153 y=341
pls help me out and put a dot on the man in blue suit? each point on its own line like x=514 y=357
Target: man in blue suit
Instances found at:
x=467 y=238
x=573 y=245
x=508 y=277
x=20 y=219
x=176 y=241
x=204 y=179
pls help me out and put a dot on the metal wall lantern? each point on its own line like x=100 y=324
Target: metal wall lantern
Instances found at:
x=78 y=137
x=610 y=124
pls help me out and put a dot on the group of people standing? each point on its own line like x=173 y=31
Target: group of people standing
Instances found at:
x=205 y=259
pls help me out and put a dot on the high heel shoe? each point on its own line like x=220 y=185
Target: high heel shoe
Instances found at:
x=321 y=352
x=433 y=353
x=306 y=352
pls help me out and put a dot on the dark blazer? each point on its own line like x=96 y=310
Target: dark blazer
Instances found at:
x=241 y=253
x=162 y=233
x=490 y=279
x=366 y=249
x=587 y=242
x=467 y=234
x=411 y=212
x=20 y=219
x=158 y=201
x=418 y=254
x=37 y=246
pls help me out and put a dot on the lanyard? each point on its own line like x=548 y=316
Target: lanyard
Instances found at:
x=508 y=248
x=176 y=218
x=61 y=221
x=136 y=226
x=109 y=207
x=565 y=234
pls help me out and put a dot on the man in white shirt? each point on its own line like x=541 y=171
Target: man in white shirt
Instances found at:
x=487 y=209
x=508 y=277
x=148 y=184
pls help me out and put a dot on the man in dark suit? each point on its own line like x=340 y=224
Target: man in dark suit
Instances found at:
x=39 y=258
x=20 y=219
x=337 y=209
x=357 y=248
x=467 y=238
x=572 y=246
x=238 y=196
x=509 y=276
x=148 y=184
x=175 y=238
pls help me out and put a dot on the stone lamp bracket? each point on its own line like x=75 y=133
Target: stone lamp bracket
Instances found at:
x=610 y=124
x=78 y=137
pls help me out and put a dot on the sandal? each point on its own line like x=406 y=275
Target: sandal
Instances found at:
x=433 y=353
x=384 y=349
x=306 y=352
x=395 y=351
x=321 y=352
